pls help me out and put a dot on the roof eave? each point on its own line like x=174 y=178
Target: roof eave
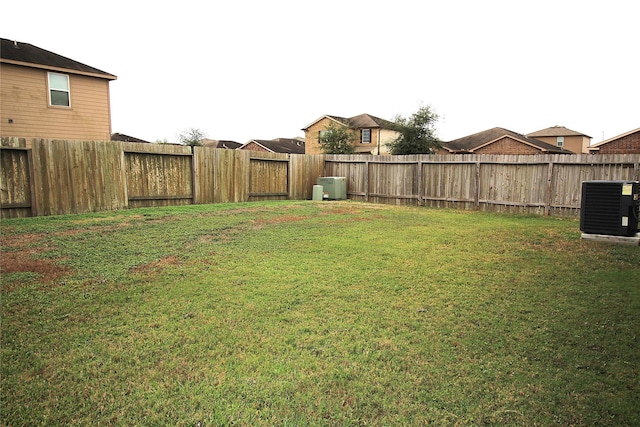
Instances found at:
x=606 y=141
x=105 y=76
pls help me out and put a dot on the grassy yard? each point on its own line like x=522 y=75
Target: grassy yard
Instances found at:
x=310 y=313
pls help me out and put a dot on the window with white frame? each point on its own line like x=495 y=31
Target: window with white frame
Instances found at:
x=59 y=94
x=365 y=136
x=560 y=141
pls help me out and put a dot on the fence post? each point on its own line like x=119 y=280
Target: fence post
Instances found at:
x=367 y=165
x=476 y=196
x=547 y=202
x=289 y=175
x=419 y=181
x=194 y=172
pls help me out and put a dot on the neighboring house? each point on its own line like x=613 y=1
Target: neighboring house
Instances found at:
x=499 y=141
x=126 y=138
x=278 y=145
x=627 y=143
x=565 y=138
x=372 y=133
x=45 y=95
x=219 y=143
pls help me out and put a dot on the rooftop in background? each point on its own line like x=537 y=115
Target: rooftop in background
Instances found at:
x=126 y=138
x=361 y=121
x=472 y=142
x=220 y=143
x=556 y=131
x=280 y=145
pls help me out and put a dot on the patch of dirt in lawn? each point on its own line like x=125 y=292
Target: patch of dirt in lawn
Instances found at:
x=156 y=267
x=281 y=219
x=22 y=259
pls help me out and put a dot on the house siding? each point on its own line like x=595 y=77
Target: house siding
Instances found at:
x=507 y=145
x=628 y=144
x=575 y=143
x=25 y=101
x=311 y=136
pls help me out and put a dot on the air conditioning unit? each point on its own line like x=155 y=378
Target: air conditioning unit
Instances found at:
x=333 y=187
x=610 y=207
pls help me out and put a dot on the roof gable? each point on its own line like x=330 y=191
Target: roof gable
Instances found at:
x=615 y=138
x=475 y=141
x=26 y=54
x=368 y=121
x=361 y=121
x=280 y=145
x=556 y=131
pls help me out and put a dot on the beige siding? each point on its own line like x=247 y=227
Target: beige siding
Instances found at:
x=24 y=100
x=579 y=144
x=386 y=136
x=311 y=135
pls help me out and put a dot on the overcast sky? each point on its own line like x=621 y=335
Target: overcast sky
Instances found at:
x=257 y=69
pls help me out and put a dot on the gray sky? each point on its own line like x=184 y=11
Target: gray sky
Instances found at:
x=256 y=69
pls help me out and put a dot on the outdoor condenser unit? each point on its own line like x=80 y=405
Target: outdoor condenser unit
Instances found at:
x=610 y=207
x=333 y=187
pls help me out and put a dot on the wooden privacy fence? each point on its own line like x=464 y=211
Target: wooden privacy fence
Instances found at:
x=541 y=184
x=61 y=177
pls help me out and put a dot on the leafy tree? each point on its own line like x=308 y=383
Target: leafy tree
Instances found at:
x=337 y=140
x=417 y=133
x=192 y=137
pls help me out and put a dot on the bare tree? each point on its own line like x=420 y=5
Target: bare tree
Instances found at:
x=192 y=137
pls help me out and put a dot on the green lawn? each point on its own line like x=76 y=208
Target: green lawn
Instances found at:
x=316 y=313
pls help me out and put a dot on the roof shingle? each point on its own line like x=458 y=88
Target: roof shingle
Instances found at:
x=471 y=142
x=29 y=54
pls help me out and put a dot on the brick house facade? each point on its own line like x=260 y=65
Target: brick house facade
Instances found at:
x=499 y=141
x=627 y=143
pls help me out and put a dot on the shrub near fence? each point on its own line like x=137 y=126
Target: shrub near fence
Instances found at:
x=62 y=177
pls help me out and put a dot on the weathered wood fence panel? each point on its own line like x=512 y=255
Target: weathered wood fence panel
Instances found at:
x=544 y=184
x=355 y=168
x=304 y=172
x=158 y=175
x=61 y=177
x=85 y=176
x=268 y=176
x=393 y=182
x=449 y=185
x=15 y=179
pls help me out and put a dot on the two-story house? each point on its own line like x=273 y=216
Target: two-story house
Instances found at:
x=563 y=138
x=46 y=95
x=371 y=133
